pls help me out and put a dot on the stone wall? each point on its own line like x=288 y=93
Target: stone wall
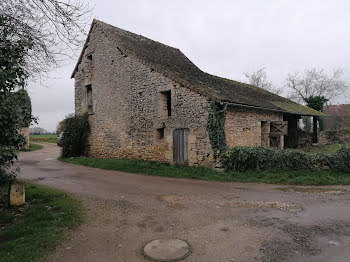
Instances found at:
x=243 y=125
x=128 y=107
x=24 y=131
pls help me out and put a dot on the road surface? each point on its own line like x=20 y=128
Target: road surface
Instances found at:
x=221 y=221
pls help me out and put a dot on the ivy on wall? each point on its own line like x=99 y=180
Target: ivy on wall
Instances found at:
x=216 y=127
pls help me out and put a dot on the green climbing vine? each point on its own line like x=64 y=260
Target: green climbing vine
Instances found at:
x=216 y=127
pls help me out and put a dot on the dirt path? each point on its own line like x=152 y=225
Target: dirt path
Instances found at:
x=221 y=221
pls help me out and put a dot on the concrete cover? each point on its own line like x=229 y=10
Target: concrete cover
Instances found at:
x=166 y=249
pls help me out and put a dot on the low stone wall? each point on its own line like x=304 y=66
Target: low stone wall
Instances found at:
x=329 y=137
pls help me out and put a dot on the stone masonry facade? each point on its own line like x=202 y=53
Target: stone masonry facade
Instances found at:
x=127 y=107
x=243 y=125
x=127 y=102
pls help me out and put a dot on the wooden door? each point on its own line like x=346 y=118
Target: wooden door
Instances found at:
x=180 y=146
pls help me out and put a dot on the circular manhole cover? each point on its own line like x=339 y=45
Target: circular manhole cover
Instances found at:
x=166 y=250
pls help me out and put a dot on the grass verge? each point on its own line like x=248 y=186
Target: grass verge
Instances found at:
x=30 y=232
x=324 y=149
x=43 y=138
x=33 y=147
x=318 y=177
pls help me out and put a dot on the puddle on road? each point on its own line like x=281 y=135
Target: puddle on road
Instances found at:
x=39 y=179
x=29 y=162
x=240 y=188
x=49 y=169
x=172 y=200
x=169 y=198
x=312 y=190
x=261 y=204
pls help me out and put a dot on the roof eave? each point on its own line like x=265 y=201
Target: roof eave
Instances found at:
x=267 y=109
x=82 y=51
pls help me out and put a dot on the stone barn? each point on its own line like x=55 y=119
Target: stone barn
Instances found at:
x=147 y=100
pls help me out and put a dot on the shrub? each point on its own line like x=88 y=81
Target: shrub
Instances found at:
x=340 y=161
x=74 y=141
x=243 y=159
x=259 y=158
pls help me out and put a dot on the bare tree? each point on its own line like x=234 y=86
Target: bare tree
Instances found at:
x=316 y=83
x=259 y=79
x=55 y=29
x=37 y=131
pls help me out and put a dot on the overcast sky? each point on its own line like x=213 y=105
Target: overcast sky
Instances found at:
x=225 y=38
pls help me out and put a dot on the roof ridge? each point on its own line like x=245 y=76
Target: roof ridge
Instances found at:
x=134 y=34
x=175 y=65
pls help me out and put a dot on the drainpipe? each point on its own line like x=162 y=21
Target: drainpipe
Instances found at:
x=225 y=104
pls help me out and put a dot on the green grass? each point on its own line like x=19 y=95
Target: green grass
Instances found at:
x=31 y=232
x=43 y=138
x=33 y=147
x=306 y=177
x=325 y=149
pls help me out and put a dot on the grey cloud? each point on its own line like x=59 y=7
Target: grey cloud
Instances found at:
x=225 y=38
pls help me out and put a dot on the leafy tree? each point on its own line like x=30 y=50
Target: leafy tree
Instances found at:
x=12 y=76
x=316 y=102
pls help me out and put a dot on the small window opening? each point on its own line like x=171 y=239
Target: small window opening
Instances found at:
x=90 y=67
x=89 y=99
x=160 y=133
x=165 y=98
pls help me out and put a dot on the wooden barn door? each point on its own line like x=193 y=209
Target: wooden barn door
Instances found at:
x=180 y=146
x=278 y=129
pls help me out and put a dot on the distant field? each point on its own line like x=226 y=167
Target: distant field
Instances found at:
x=43 y=138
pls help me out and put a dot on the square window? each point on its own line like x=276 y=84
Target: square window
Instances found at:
x=160 y=133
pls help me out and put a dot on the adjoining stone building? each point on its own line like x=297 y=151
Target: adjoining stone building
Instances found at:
x=148 y=100
x=24 y=106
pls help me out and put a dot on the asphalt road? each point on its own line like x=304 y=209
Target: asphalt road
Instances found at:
x=221 y=221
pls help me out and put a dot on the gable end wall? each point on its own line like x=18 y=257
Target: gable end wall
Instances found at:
x=126 y=99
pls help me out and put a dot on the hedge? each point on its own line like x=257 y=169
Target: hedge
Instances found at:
x=259 y=158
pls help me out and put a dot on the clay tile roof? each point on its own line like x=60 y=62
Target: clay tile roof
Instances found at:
x=337 y=110
x=174 y=64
